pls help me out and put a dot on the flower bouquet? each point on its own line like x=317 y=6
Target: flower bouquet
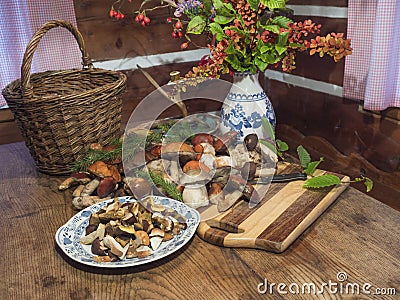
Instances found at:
x=243 y=35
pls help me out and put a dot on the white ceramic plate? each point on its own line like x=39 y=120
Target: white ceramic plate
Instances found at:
x=68 y=235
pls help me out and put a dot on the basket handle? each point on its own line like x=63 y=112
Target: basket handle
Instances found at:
x=33 y=43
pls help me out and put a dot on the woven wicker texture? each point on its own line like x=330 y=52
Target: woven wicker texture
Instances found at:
x=61 y=112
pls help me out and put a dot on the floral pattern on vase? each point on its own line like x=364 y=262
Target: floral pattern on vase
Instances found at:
x=245 y=105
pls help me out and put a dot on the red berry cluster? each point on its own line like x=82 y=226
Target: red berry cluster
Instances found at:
x=116 y=14
x=177 y=31
x=142 y=19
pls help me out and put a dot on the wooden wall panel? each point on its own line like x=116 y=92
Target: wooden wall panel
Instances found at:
x=107 y=38
x=340 y=122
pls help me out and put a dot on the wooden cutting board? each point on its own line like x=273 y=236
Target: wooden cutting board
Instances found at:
x=277 y=221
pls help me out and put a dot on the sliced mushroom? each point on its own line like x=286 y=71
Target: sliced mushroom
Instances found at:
x=143 y=251
x=115 y=247
x=97 y=249
x=155 y=242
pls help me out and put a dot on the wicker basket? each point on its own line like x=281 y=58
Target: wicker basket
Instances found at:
x=59 y=113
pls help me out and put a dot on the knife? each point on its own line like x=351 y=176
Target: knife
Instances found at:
x=280 y=178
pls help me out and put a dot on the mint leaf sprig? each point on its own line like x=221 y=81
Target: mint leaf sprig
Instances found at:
x=324 y=180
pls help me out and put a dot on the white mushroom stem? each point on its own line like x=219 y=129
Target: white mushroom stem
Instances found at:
x=90 y=187
x=195 y=196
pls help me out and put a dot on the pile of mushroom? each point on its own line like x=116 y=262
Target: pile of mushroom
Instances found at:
x=131 y=229
x=213 y=170
x=208 y=170
x=103 y=180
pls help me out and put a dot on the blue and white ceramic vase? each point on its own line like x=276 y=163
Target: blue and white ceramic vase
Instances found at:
x=245 y=105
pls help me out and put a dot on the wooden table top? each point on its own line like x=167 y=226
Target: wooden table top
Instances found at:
x=357 y=237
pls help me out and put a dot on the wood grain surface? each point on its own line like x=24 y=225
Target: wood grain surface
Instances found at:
x=284 y=212
x=356 y=235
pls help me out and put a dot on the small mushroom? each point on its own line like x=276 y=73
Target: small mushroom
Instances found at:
x=139 y=187
x=78 y=191
x=106 y=186
x=251 y=141
x=202 y=138
x=85 y=201
x=90 y=187
x=73 y=181
x=101 y=169
x=177 y=151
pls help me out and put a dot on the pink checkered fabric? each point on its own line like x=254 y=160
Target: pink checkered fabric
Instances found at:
x=372 y=73
x=57 y=50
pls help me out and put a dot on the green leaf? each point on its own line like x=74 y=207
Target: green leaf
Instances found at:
x=235 y=63
x=280 y=49
x=282 y=146
x=282 y=39
x=273 y=28
x=261 y=65
x=223 y=19
x=268 y=128
x=369 y=184
x=270 y=146
x=309 y=170
x=218 y=4
x=265 y=48
x=253 y=4
x=304 y=156
x=196 y=25
x=282 y=21
x=322 y=181
x=272 y=4
x=217 y=30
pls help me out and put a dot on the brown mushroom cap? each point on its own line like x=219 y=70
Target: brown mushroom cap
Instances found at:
x=251 y=141
x=202 y=138
x=139 y=187
x=178 y=151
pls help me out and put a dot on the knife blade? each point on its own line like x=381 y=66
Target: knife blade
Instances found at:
x=280 y=178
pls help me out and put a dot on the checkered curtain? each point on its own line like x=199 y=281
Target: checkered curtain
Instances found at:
x=20 y=19
x=372 y=73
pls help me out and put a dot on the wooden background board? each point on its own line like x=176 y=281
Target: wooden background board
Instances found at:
x=277 y=221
